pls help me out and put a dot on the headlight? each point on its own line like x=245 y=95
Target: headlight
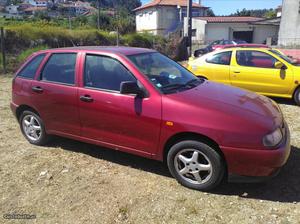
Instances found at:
x=273 y=139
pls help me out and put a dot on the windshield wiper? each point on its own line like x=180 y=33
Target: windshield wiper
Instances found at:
x=173 y=86
x=194 y=82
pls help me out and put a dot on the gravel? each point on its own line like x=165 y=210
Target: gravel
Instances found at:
x=73 y=182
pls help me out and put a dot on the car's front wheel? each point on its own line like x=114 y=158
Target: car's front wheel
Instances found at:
x=196 y=165
x=33 y=128
x=297 y=96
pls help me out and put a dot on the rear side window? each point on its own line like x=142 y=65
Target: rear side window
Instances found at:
x=220 y=58
x=30 y=69
x=60 y=68
x=106 y=73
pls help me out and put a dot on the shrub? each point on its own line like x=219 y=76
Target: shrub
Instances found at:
x=25 y=54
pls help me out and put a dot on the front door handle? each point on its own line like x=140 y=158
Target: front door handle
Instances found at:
x=86 y=98
x=37 y=89
x=236 y=72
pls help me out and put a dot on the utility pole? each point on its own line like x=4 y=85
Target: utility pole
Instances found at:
x=98 y=19
x=118 y=24
x=189 y=31
x=3 y=50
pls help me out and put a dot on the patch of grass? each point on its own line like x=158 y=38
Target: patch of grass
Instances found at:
x=26 y=53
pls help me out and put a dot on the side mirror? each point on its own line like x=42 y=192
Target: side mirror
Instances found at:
x=130 y=87
x=280 y=65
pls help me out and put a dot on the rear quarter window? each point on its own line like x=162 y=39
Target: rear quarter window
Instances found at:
x=31 y=67
x=222 y=58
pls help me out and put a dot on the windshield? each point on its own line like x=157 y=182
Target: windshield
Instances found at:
x=165 y=74
x=240 y=42
x=285 y=57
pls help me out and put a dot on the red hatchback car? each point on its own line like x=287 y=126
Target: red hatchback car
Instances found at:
x=139 y=101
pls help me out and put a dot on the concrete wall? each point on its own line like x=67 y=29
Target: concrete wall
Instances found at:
x=167 y=16
x=200 y=26
x=289 y=33
x=218 y=31
x=160 y=19
x=146 y=20
x=262 y=32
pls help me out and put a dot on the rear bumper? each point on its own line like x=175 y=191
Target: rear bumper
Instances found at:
x=257 y=163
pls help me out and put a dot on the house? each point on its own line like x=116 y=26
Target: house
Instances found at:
x=34 y=10
x=37 y=3
x=164 y=16
x=3 y=2
x=12 y=9
x=289 y=33
x=250 y=29
x=77 y=8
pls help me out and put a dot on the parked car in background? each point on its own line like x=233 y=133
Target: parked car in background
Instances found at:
x=141 y=102
x=221 y=44
x=263 y=70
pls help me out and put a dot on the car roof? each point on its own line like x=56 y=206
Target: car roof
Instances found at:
x=244 y=48
x=103 y=49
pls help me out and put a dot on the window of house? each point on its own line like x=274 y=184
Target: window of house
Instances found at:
x=105 y=73
x=60 y=68
x=222 y=58
x=194 y=32
x=255 y=59
x=30 y=69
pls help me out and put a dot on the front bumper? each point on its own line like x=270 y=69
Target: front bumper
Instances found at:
x=257 y=163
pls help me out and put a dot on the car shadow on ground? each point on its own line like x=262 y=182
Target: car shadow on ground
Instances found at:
x=111 y=155
x=284 y=101
x=283 y=188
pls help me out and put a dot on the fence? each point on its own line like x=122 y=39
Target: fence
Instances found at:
x=3 y=56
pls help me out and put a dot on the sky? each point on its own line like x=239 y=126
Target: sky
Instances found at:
x=225 y=7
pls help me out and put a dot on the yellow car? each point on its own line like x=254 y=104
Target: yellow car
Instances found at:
x=263 y=70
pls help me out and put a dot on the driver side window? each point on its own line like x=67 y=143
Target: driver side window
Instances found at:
x=255 y=59
x=105 y=73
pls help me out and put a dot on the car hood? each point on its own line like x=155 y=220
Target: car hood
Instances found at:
x=228 y=99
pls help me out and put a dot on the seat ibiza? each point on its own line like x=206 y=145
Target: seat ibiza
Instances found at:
x=141 y=102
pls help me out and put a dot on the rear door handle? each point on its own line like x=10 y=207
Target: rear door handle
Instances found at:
x=236 y=72
x=37 y=89
x=86 y=98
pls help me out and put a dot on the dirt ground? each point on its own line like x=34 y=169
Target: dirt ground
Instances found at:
x=73 y=182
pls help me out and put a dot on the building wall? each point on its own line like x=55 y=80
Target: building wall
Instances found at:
x=262 y=32
x=199 y=26
x=219 y=31
x=146 y=20
x=12 y=9
x=289 y=33
x=162 y=19
x=168 y=16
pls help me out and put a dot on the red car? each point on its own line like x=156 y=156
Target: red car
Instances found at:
x=141 y=102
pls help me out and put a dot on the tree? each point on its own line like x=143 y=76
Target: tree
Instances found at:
x=266 y=13
x=210 y=12
x=270 y=14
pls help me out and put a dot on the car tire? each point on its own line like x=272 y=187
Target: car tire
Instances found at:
x=297 y=96
x=33 y=128
x=196 y=165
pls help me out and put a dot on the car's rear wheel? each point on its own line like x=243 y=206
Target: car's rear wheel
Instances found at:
x=297 y=96
x=196 y=165
x=33 y=128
